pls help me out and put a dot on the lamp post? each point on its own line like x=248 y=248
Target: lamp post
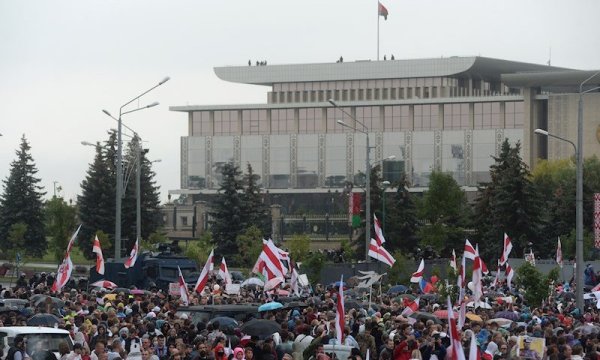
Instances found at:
x=385 y=186
x=119 y=169
x=579 y=190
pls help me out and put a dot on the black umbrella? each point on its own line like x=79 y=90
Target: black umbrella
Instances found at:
x=225 y=322
x=5 y=309
x=43 y=320
x=260 y=327
x=424 y=316
x=296 y=304
x=49 y=300
x=121 y=290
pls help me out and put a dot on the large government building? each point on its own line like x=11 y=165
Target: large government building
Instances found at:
x=447 y=114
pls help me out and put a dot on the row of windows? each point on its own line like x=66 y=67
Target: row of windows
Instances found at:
x=488 y=115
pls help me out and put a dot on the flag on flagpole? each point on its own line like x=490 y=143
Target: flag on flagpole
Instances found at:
x=453 y=261
x=418 y=275
x=63 y=273
x=426 y=286
x=456 y=349
x=507 y=247
x=99 y=258
x=469 y=250
x=203 y=278
x=461 y=280
x=484 y=268
x=383 y=11
x=473 y=349
x=495 y=282
x=224 y=272
x=72 y=240
x=340 y=314
x=462 y=315
x=410 y=306
x=294 y=282
x=559 y=258
x=183 y=290
x=133 y=255
x=378 y=232
x=477 y=290
x=509 y=272
x=378 y=252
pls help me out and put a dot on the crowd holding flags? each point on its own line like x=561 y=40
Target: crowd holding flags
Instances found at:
x=133 y=255
x=99 y=258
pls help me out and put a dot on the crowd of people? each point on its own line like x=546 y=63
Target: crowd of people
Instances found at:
x=115 y=325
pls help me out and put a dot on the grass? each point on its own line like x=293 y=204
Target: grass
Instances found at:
x=76 y=257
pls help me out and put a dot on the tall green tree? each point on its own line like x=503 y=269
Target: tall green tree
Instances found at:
x=96 y=204
x=444 y=207
x=513 y=206
x=21 y=202
x=227 y=217
x=256 y=209
x=249 y=245
x=401 y=221
x=60 y=223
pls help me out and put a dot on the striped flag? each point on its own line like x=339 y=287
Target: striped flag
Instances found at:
x=63 y=274
x=509 y=272
x=72 y=239
x=340 y=314
x=469 y=250
x=133 y=255
x=474 y=353
x=183 y=290
x=378 y=232
x=507 y=248
x=382 y=11
x=456 y=350
x=203 y=278
x=294 y=282
x=99 y=258
x=453 y=261
x=224 y=272
x=418 y=275
x=461 y=281
x=559 y=257
x=410 y=306
x=271 y=257
x=378 y=252
x=477 y=290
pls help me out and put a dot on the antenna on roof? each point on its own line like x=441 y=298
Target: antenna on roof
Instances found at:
x=550 y=56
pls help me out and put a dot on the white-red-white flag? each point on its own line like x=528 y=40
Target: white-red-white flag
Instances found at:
x=203 y=278
x=456 y=349
x=378 y=232
x=183 y=289
x=418 y=275
x=380 y=253
x=474 y=353
x=63 y=274
x=410 y=307
x=271 y=256
x=462 y=280
x=497 y=278
x=340 y=314
x=224 y=272
x=509 y=272
x=559 y=257
x=294 y=282
x=477 y=275
x=469 y=250
x=99 y=258
x=453 y=264
x=484 y=268
x=506 y=249
x=72 y=239
x=462 y=315
x=133 y=255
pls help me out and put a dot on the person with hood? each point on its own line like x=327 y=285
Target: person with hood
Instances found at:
x=238 y=353
x=219 y=352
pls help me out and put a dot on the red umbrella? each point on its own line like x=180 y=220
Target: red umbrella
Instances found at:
x=441 y=314
x=105 y=284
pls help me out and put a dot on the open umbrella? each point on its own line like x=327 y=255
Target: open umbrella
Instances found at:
x=49 y=300
x=424 y=316
x=510 y=315
x=500 y=321
x=253 y=281
x=480 y=304
x=441 y=314
x=270 y=306
x=473 y=317
x=279 y=292
x=104 y=284
x=396 y=289
x=260 y=327
x=273 y=283
x=225 y=322
x=405 y=296
x=295 y=304
x=118 y=290
x=588 y=329
x=6 y=309
x=43 y=320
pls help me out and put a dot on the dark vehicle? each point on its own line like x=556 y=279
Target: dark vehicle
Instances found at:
x=205 y=313
x=150 y=271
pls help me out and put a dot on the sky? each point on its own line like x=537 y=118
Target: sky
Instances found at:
x=62 y=62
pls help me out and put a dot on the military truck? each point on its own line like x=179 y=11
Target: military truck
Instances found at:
x=151 y=270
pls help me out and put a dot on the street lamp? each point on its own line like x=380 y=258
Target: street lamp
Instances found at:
x=119 y=192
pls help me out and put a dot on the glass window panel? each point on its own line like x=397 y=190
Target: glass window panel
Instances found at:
x=453 y=155
x=222 y=153
x=252 y=154
x=196 y=163
x=335 y=114
x=279 y=167
x=308 y=162
x=422 y=150
x=393 y=144
x=335 y=160
x=425 y=117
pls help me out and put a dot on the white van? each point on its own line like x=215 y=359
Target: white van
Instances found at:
x=37 y=337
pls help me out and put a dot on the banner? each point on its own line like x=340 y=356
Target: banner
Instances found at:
x=355 y=209
x=597 y=220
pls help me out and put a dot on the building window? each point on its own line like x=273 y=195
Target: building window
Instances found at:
x=352 y=94
x=226 y=122
x=487 y=116
x=335 y=114
x=254 y=122
x=369 y=116
x=344 y=95
x=397 y=118
x=513 y=115
x=369 y=94
x=282 y=121
x=361 y=94
x=184 y=221
x=385 y=94
x=310 y=121
x=426 y=117
x=456 y=116
x=305 y=96
x=201 y=123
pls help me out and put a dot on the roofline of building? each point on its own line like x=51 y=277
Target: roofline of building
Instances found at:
x=452 y=100
x=475 y=67
x=567 y=78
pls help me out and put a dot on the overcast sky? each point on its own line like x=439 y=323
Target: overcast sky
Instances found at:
x=62 y=62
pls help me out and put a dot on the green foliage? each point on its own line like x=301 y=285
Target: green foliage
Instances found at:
x=108 y=247
x=568 y=245
x=299 y=246
x=256 y=210
x=510 y=204
x=347 y=250
x=312 y=266
x=401 y=221
x=21 y=202
x=153 y=240
x=16 y=240
x=200 y=249
x=444 y=206
x=249 y=245
x=534 y=284
x=60 y=224
x=400 y=272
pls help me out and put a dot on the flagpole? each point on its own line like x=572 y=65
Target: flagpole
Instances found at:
x=378 y=30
